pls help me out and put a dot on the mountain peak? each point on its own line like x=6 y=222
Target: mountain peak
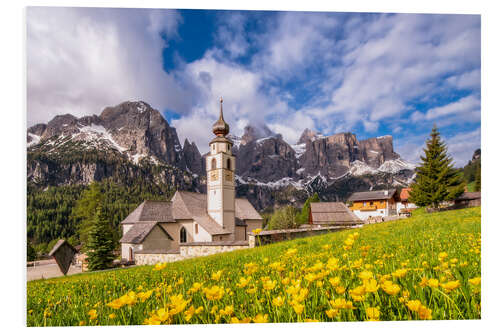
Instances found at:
x=308 y=135
x=255 y=132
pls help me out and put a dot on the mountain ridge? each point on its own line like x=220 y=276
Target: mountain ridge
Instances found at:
x=140 y=138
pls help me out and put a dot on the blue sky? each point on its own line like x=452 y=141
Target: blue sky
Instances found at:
x=370 y=74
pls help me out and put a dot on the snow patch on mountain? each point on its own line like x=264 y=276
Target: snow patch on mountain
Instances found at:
x=97 y=132
x=299 y=149
x=394 y=166
x=35 y=139
x=359 y=168
x=236 y=140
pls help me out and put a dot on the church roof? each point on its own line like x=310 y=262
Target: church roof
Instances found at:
x=245 y=211
x=149 y=210
x=139 y=232
x=332 y=213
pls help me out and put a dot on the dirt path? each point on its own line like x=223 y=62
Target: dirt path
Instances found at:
x=45 y=269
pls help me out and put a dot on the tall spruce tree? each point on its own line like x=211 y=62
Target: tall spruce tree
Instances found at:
x=100 y=243
x=303 y=216
x=437 y=180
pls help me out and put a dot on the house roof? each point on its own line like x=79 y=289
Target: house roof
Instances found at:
x=405 y=194
x=140 y=231
x=149 y=210
x=332 y=213
x=469 y=196
x=372 y=195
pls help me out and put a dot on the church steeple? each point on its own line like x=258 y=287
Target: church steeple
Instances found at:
x=220 y=127
x=220 y=164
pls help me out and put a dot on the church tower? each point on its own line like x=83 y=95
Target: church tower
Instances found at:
x=221 y=165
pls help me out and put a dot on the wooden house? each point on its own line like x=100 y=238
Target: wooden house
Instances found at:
x=374 y=203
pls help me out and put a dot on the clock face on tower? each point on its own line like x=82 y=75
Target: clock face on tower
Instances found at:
x=228 y=175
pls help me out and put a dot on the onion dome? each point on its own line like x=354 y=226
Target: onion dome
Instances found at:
x=220 y=127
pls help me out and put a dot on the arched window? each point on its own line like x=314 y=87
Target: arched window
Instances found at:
x=229 y=164
x=214 y=163
x=183 y=235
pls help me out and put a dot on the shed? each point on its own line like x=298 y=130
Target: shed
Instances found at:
x=332 y=213
x=63 y=253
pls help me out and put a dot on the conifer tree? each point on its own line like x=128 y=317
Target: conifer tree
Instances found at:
x=303 y=216
x=437 y=180
x=100 y=243
x=85 y=209
x=477 y=181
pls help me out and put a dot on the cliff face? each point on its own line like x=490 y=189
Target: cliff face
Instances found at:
x=376 y=151
x=330 y=156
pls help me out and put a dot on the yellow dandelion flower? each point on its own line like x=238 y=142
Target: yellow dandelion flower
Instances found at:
x=414 y=305
x=92 y=314
x=112 y=316
x=278 y=301
x=399 y=273
x=451 y=285
x=424 y=313
x=433 y=283
x=298 y=308
x=335 y=281
x=332 y=313
x=475 y=281
x=340 y=290
x=372 y=314
x=213 y=293
x=261 y=318
x=365 y=275
x=371 y=285
x=257 y=231
x=269 y=285
x=216 y=276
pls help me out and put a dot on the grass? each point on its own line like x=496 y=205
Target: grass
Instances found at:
x=424 y=267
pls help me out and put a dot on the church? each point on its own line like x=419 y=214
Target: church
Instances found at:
x=167 y=230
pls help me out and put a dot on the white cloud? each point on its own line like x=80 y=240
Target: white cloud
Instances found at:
x=467 y=80
x=244 y=101
x=81 y=60
x=461 y=146
x=464 y=105
x=293 y=43
x=402 y=58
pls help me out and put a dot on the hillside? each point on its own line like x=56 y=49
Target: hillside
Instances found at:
x=424 y=267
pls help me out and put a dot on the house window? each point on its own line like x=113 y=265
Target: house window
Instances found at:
x=371 y=203
x=228 y=148
x=364 y=204
x=214 y=163
x=183 y=235
x=228 y=164
x=213 y=146
x=195 y=228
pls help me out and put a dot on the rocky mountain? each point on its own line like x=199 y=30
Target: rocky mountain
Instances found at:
x=133 y=140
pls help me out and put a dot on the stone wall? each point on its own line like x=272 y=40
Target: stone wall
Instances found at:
x=190 y=250
x=186 y=251
x=273 y=236
x=154 y=258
